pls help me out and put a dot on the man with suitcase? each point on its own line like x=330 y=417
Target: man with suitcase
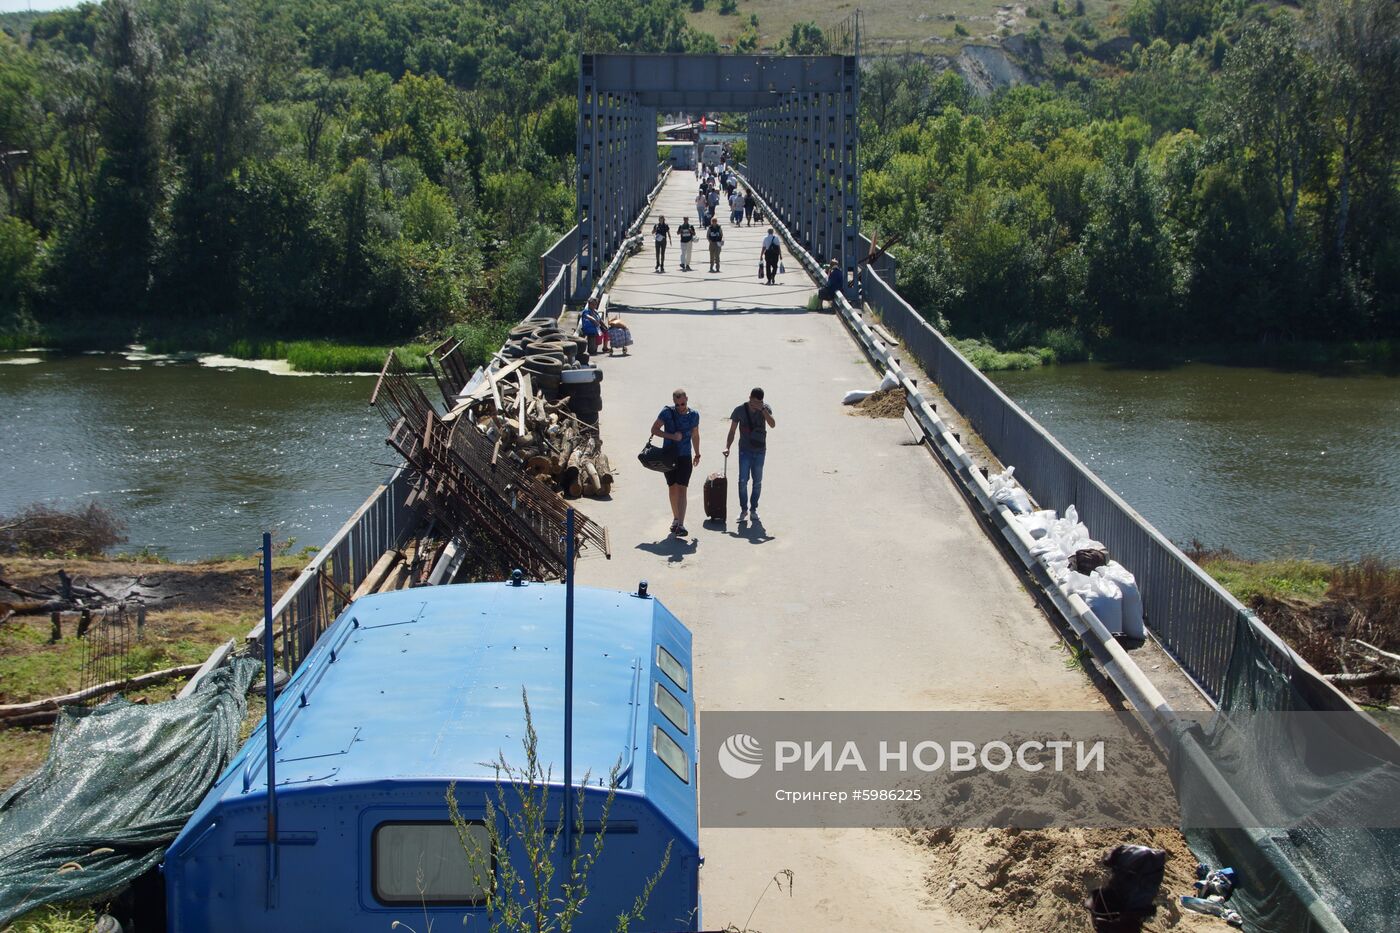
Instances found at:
x=752 y=420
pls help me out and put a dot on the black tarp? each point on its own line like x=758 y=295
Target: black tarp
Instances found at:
x=120 y=781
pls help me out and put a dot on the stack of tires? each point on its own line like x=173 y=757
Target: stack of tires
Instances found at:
x=585 y=398
x=546 y=350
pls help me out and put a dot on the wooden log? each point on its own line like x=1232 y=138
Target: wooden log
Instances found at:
x=592 y=483
x=376 y=575
x=569 y=482
x=1368 y=679
x=11 y=714
x=394 y=579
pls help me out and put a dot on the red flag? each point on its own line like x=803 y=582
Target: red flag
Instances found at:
x=702 y=121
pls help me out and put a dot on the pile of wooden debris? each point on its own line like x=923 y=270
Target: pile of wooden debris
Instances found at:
x=507 y=404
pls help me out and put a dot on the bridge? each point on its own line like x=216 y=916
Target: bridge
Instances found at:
x=883 y=575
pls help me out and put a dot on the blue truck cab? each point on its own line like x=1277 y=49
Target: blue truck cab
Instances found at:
x=410 y=691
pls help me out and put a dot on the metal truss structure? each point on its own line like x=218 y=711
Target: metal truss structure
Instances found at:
x=803 y=142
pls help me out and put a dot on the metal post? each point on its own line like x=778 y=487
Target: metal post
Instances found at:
x=569 y=801
x=270 y=696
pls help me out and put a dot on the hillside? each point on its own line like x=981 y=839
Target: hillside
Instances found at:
x=912 y=25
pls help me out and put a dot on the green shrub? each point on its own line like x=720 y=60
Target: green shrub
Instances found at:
x=1065 y=345
x=480 y=339
x=988 y=358
x=960 y=29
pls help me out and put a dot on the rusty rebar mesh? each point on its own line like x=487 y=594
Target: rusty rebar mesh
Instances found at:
x=108 y=635
x=470 y=490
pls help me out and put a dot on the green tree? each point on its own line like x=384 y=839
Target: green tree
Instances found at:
x=806 y=38
x=111 y=265
x=1267 y=107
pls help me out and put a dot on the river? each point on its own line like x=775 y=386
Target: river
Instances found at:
x=1263 y=462
x=197 y=460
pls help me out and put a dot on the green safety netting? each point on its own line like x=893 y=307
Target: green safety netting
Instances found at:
x=120 y=781
x=1319 y=778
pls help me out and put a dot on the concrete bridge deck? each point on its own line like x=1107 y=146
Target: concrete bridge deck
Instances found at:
x=868 y=584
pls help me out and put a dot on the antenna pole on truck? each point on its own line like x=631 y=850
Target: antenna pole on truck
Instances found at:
x=569 y=684
x=270 y=695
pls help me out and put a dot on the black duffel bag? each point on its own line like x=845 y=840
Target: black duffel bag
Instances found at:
x=657 y=458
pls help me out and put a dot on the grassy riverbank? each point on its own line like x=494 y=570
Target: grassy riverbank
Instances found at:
x=1359 y=356
x=479 y=341
x=1329 y=613
x=206 y=604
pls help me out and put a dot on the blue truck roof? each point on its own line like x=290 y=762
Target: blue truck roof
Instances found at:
x=425 y=684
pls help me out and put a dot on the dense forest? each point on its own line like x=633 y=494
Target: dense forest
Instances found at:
x=210 y=170
x=1230 y=179
x=368 y=169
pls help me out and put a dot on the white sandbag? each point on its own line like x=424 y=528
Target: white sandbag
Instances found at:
x=856 y=395
x=1014 y=498
x=1133 y=621
x=1047 y=546
x=889 y=382
x=1008 y=492
x=1037 y=524
x=1057 y=565
x=1106 y=601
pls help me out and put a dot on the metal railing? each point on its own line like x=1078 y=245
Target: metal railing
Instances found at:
x=553 y=299
x=325 y=585
x=1192 y=616
x=562 y=255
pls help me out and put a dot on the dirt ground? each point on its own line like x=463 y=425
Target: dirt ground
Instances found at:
x=191 y=609
x=886 y=403
x=1037 y=879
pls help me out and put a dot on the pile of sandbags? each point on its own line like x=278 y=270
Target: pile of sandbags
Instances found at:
x=1082 y=566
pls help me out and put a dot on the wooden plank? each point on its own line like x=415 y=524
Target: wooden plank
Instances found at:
x=522 y=402
x=214 y=660
x=11 y=710
x=883 y=334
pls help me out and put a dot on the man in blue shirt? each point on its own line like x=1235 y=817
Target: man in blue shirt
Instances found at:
x=678 y=426
x=835 y=283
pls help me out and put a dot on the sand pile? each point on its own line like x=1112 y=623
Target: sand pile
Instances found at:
x=887 y=403
x=1036 y=879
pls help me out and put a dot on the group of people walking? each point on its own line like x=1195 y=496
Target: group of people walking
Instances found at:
x=678 y=426
x=661 y=236
x=743 y=208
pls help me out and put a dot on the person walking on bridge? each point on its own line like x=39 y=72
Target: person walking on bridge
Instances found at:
x=752 y=420
x=771 y=253
x=678 y=426
x=661 y=233
x=715 y=234
x=749 y=205
x=736 y=208
x=700 y=205
x=687 y=234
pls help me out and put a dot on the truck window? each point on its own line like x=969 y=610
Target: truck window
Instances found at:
x=402 y=849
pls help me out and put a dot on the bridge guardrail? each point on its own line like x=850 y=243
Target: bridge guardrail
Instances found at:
x=1190 y=615
x=325 y=585
x=562 y=255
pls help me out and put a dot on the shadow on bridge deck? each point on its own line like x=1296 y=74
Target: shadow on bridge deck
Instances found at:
x=867 y=585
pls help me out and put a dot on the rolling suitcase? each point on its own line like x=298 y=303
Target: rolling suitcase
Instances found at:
x=717 y=494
